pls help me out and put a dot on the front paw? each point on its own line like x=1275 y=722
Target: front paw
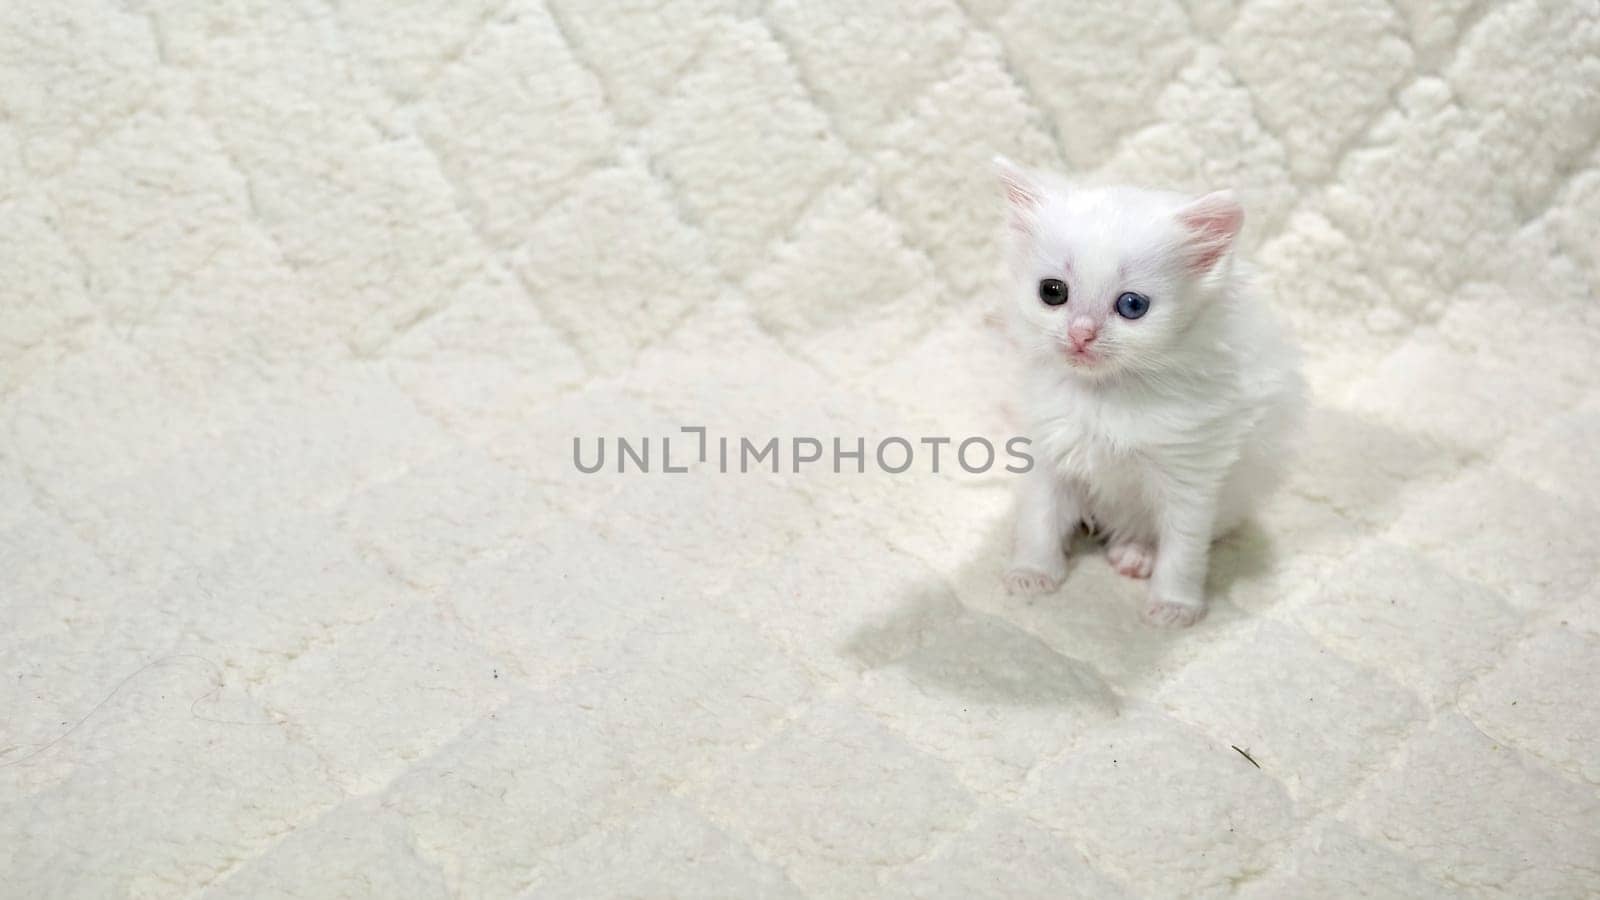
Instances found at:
x=1165 y=612
x=1030 y=581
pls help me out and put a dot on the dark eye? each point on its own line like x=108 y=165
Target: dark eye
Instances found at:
x=1053 y=291
x=1132 y=306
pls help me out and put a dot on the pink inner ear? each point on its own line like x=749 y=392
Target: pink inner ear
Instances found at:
x=1018 y=195
x=1022 y=195
x=1021 y=203
x=1213 y=222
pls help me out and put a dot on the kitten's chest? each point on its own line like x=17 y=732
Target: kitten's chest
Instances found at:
x=1113 y=446
x=1090 y=452
x=1112 y=477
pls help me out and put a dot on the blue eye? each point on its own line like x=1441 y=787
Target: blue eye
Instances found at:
x=1132 y=306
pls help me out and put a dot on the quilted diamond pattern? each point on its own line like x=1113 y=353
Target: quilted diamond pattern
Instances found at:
x=300 y=593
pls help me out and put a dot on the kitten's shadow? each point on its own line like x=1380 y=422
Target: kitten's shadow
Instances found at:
x=1085 y=643
x=1076 y=646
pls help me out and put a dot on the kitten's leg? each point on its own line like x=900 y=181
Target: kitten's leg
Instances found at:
x=1177 y=581
x=1038 y=561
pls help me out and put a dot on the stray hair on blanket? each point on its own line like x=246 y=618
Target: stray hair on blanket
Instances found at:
x=217 y=683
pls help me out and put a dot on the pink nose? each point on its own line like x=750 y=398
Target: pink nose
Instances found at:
x=1082 y=333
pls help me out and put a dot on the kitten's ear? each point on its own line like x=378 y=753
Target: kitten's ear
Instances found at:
x=1023 y=194
x=1212 y=222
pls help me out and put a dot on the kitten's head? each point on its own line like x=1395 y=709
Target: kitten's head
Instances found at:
x=1109 y=280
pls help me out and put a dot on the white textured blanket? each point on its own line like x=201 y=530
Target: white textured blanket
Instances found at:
x=302 y=595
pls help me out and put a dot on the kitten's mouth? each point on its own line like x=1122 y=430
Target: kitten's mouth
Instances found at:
x=1084 y=358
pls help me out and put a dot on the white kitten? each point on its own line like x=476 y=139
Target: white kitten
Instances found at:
x=1158 y=391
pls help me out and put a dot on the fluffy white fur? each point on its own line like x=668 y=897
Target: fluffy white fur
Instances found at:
x=1160 y=431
